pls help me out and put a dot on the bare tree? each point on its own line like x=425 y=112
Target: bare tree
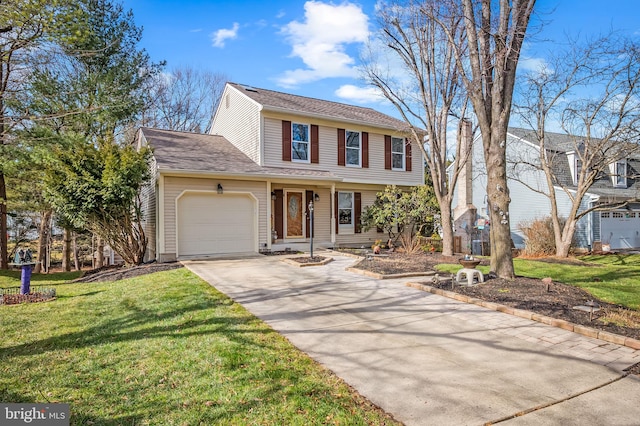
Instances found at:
x=592 y=94
x=427 y=91
x=495 y=31
x=184 y=100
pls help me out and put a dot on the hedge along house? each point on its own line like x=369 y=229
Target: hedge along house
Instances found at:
x=246 y=187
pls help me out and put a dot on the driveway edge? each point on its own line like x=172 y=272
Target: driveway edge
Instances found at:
x=580 y=329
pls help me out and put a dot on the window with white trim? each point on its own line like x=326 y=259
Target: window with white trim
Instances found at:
x=353 y=146
x=300 y=142
x=345 y=212
x=619 y=173
x=397 y=154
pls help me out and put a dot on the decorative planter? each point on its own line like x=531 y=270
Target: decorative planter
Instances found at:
x=469 y=263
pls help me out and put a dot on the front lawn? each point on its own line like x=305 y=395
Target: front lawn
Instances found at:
x=11 y=278
x=612 y=278
x=164 y=348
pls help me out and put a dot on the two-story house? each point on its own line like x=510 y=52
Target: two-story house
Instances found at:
x=246 y=186
x=615 y=228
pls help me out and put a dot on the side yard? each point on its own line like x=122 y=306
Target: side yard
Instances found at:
x=164 y=348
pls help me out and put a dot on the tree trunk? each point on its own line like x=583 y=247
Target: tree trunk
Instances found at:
x=564 y=245
x=43 y=241
x=100 y=253
x=66 y=250
x=447 y=229
x=498 y=200
x=76 y=258
x=4 y=249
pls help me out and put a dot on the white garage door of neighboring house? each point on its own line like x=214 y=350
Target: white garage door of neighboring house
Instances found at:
x=215 y=224
x=621 y=229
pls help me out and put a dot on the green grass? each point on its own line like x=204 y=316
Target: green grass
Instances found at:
x=12 y=278
x=164 y=349
x=612 y=278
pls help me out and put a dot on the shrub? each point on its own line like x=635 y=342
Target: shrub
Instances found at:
x=539 y=236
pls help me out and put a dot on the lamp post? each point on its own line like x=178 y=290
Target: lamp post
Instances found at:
x=311 y=226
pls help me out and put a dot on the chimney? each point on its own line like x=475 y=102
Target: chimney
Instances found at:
x=464 y=215
x=465 y=183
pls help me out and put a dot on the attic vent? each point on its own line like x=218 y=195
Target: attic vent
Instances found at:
x=250 y=89
x=227 y=101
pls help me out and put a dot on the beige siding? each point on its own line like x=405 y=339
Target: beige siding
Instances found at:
x=365 y=238
x=148 y=208
x=174 y=186
x=328 y=150
x=149 y=203
x=238 y=120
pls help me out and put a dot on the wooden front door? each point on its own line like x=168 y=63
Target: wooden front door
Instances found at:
x=295 y=210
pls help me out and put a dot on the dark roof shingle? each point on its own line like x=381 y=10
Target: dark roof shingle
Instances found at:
x=195 y=152
x=295 y=104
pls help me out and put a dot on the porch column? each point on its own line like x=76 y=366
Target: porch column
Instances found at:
x=332 y=199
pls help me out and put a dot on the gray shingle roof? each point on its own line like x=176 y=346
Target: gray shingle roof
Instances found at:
x=272 y=100
x=194 y=152
x=554 y=141
x=559 y=144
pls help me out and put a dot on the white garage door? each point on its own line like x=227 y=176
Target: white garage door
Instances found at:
x=621 y=229
x=215 y=224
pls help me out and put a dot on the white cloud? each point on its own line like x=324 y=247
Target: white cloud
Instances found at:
x=359 y=94
x=197 y=30
x=321 y=40
x=535 y=65
x=222 y=35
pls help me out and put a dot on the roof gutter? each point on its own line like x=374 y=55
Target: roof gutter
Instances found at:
x=245 y=176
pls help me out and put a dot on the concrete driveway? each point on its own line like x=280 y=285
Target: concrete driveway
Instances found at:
x=430 y=360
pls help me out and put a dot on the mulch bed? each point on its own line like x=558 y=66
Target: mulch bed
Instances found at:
x=523 y=293
x=307 y=259
x=33 y=297
x=115 y=273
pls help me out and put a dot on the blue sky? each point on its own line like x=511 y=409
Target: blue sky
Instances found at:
x=312 y=48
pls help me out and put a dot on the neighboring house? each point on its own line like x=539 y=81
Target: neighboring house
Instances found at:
x=617 y=228
x=247 y=186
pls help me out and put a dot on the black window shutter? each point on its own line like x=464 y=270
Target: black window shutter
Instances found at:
x=279 y=213
x=357 y=211
x=315 y=144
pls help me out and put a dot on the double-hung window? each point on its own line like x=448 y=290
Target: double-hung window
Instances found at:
x=397 y=154
x=300 y=142
x=353 y=147
x=345 y=212
x=620 y=173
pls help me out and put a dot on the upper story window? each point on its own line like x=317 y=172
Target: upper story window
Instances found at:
x=300 y=142
x=353 y=147
x=397 y=154
x=619 y=173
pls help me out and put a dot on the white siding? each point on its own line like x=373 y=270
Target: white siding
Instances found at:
x=174 y=186
x=328 y=158
x=526 y=204
x=238 y=120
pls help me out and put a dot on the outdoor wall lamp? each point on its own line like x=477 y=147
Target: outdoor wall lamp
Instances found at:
x=219 y=188
x=273 y=195
x=316 y=197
